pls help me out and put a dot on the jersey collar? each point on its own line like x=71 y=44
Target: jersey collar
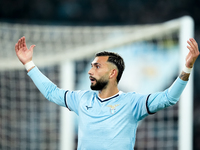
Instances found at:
x=109 y=98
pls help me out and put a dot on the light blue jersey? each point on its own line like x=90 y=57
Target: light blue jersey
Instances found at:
x=107 y=124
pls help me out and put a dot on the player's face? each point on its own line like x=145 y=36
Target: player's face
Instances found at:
x=99 y=73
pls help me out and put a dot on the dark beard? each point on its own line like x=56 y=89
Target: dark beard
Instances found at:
x=100 y=85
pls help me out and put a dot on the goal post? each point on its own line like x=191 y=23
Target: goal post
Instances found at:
x=67 y=135
x=63 y=53
x=186 y=103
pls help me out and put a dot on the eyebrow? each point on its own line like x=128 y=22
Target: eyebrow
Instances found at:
x=94 y=64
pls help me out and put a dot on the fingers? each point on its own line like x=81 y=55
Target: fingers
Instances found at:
x=23 y=41
x=193 y=46
x=31 y=47
x=16 y=47
x=191 y=43
x=194 y=42
x=20 y=44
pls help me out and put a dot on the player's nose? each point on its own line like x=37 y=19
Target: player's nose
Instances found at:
x=90 y=72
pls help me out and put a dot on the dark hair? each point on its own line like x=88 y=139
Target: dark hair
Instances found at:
x=116 y=59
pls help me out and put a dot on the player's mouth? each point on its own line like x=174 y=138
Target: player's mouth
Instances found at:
x=92 y=79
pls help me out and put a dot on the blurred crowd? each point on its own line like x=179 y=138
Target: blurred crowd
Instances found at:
x=97 y=11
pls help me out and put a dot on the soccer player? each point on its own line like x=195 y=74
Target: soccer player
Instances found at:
x=108 y=118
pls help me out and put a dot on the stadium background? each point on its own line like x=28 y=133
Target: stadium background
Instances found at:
x=112 y=12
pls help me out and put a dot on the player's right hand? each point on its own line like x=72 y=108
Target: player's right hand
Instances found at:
x=23 y=53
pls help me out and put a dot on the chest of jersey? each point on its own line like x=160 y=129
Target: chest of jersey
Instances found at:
x=105 y=117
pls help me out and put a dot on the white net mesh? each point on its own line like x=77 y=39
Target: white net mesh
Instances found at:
x=27 y=120
x=57 y=43
x=30 y=122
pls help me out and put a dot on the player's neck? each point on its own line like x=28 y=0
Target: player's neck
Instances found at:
x=108 y=92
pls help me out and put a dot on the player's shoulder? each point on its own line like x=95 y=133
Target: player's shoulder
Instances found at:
x=89 y=92
x=132 y=95
x=124 y=94
x=83 y=92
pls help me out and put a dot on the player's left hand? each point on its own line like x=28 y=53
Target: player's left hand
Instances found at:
x=193 y=53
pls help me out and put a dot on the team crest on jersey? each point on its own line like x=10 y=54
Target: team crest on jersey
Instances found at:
x=113 y=108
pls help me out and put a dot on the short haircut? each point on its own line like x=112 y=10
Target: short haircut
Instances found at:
x=116 y=59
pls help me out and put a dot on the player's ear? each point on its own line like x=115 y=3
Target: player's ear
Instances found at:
x=113 y=73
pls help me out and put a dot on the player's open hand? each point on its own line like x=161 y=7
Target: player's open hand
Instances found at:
x=193 y=53
x=23 y=53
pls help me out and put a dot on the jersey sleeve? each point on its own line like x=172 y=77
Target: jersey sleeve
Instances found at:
x=144 y=105
x=47 y=88
x=170 y=96
x=138 y=105
x=73 y=99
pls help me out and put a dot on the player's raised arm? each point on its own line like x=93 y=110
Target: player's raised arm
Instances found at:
x=161 y=100
x=46 y=87
x=23 y=53
x=190 y=59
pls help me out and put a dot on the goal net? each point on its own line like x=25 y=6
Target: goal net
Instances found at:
x=154 y=55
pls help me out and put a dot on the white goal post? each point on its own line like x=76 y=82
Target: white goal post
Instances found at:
x=186 y=103
x=63 y=45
